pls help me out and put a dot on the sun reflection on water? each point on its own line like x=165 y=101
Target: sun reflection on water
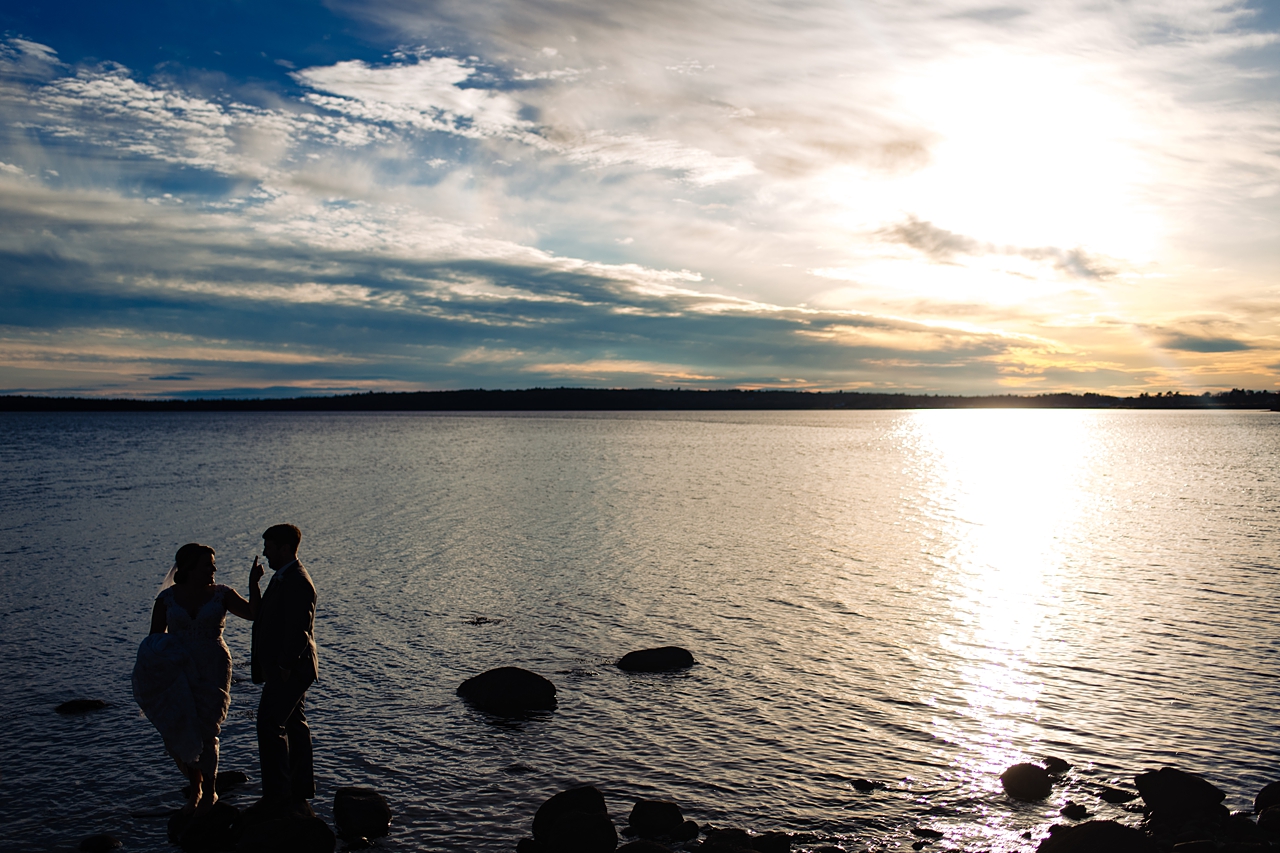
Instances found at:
x=1007 y=487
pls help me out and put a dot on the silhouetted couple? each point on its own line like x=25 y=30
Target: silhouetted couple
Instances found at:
x=182 y=678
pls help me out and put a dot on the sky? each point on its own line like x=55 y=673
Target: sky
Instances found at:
x=289 y=197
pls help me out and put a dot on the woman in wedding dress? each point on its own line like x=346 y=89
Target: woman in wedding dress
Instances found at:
x=182 y=678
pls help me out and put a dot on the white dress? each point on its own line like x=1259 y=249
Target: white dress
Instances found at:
x=182 y=678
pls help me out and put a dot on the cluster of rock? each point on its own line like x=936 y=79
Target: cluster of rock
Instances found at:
x=512 y=690
x=578 y=821
x=1181 y=812
x=360 y=814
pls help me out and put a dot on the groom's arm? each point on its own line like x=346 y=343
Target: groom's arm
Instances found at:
x=295 y=621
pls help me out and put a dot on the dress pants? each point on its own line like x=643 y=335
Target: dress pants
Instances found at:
x=284 y=741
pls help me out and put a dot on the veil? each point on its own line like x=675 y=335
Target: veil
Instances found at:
x=168 y=579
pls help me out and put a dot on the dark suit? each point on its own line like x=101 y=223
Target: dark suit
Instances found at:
x=284 y=641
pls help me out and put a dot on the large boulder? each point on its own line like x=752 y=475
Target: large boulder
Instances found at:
x=206 y=832
x=655 y=818
x=1169 y=792
x=1027 y=782
x=509 y=689
x=1096 y=836
x=575 y=821
x=360 y=813
x=663 y=659
x=1267 y=797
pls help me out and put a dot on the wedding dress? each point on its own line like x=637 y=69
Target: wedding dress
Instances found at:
x=182 y=678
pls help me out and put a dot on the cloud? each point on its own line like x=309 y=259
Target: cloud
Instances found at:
x=943 y=246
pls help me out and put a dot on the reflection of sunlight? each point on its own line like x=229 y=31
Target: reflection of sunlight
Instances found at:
x=1005 y=487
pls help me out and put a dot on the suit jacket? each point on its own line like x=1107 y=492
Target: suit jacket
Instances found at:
x=284 y=632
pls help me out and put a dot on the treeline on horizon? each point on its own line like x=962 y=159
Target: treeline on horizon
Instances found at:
x=639 y=399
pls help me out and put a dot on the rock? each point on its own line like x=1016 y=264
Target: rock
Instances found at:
x=1170 y=792
x=687 y=831
x=509 y=689
x=726 y=841
x=81 y=706
x=643 y=845
x=772 y=842
x=867 y=785
x=1116 y=796
x=1267 y=797
x=1096 y=836
x=207 y=832
x=1269 y=820
x=654 y=818
x=1056 y=766
x=664 y=659
x=291 y=834
x=230 y=779
x=575 y=821
x=1026 y=782
x=1201 y=846
x=100 y=843
x=360 y=813
x=1074 y=810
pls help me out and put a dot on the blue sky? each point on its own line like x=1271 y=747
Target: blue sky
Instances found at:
x=237 y=198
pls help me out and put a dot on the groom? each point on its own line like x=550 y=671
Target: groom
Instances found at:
x=284 y=663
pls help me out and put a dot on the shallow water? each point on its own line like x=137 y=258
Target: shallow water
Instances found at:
x=921 y=598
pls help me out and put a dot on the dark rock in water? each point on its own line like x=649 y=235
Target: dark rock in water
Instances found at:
x=292 y=834
x=925 y=832
x=528 y=845
x=360 y=813
x=81 y=706
x=654 y=818
x=687 y=832
x=726 y=841
x=575 y=821
x=643 y=845
x=772 y=842
x=664 y=659
x=1269 y=820
x=509 y=689
x=1026 y=782
x=867 y=785
x=1171 y=792
x=1116 y=796
x=1097 y=836
x=1074 y=810
x=1267 y=797
x=205 y=833
x=1056 y=766
x=100 y=843
x=230 y=779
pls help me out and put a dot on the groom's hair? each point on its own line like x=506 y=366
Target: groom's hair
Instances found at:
x=285 y=534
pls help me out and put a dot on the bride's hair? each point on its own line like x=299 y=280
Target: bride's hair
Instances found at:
x=188 y=557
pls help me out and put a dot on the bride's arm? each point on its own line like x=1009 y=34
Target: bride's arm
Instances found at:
x=235 y=603
x=158 y=621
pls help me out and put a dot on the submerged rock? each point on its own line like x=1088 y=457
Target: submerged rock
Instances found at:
x=100 y=843
x=1116 y=796
x=509 y=689
x=1074 y=811
x=1056 y=766
x=360 y=813
x=664 y=659
x=81 y=706
x=1026 y=782
x=867 y=785
x=1096 y=836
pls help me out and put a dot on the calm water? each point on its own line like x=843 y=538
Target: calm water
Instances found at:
x=921 y=598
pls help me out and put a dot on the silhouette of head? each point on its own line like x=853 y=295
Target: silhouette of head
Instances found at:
x=189 y=559
x=280 y=544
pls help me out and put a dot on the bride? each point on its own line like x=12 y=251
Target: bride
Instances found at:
x=182 y=678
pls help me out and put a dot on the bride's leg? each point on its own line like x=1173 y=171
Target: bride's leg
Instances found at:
x=208 y=770
x=194 y=774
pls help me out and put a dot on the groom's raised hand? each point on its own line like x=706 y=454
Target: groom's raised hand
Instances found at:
x=256 y=572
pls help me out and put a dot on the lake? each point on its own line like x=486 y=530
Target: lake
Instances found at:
x=920 y=598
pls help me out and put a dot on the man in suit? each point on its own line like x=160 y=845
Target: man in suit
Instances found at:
x=284 y=662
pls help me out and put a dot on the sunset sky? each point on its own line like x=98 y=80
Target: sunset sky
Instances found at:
x=277 y=198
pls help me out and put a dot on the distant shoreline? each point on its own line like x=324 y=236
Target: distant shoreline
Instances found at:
x=639 y=399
